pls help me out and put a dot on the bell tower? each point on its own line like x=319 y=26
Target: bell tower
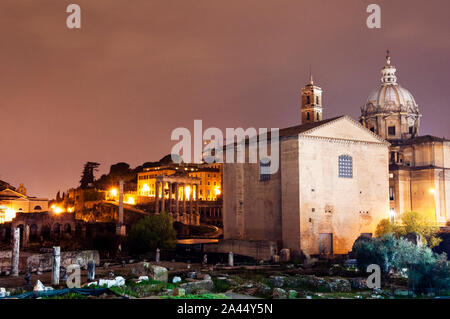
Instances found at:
x=311 y=102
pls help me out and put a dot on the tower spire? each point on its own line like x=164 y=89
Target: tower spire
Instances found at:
x=388 y=57
x=311 y=109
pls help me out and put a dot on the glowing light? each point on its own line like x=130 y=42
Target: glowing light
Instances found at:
x=432 y=191
x=188 y=191
x=53 y=206
x=145 y=188
x=57 y=210
x=392 y=214
x=113 y=192
x=131 y=200
x=10 y=214
x=70 y=209
x=217 y=191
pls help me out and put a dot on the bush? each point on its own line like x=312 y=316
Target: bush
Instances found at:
x=426 y=269
x=152 y=232
x=380 y=251
x=412 y=223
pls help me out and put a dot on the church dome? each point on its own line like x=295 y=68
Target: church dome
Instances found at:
x=390 y=97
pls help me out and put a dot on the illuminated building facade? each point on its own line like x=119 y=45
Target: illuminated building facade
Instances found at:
x=419 y=165
x=192 y=192
x=16 y=201
x=208 y=175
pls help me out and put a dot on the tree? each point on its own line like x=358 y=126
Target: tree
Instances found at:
x=426 y=269
x=152 y=232
x=412 y=223
x=88 y=177
x=386 y=226
x=58 y=196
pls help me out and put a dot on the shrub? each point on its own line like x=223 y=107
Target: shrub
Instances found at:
x=412 y=223
x=426 y=269
x=152 y=232
x=381 y=251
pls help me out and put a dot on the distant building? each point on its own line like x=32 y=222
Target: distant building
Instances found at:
x=12 y=202
x=191 y=193
x=209 y=175
x=419 y=165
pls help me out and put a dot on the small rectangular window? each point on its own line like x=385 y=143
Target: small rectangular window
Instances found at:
x=264 y=169
x=391 y=193
x=391 y=130
x=345 y=166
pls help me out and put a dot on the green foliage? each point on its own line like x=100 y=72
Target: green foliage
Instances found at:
x=381 y=251
x=221 y=285
x=412 y=223
x=426 y=269
x=87 y=177
x=386 y=226
x=152 y=232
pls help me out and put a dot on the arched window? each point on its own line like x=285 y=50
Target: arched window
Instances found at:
x=264 y=169
x=345 y=166
x=37 y=207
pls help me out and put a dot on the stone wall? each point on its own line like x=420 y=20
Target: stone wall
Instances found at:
x=44 y=261
x=260 y=250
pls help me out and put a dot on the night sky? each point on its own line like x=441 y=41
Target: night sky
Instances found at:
x=114 y=90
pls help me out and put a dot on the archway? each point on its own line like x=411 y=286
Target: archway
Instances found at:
x=56 y=230
x=33 y=232
x=67 y=229
x=46 y=232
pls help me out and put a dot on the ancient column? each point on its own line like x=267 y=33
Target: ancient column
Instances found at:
x=169 y=210
x=120 y=226
x=157 y=197
x=91 y=270
x=197 y=199
x=15 y=252
x=230 y=259
x=177 y=197
x=163 y=197
x=56 y=265
x=158 y=255
x=184 y=199
x=191 y=201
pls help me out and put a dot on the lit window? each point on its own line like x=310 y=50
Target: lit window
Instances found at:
x=345 y=166
x=264 y=169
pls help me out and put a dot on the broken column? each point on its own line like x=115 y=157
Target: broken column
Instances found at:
x=230 y=259
x=120 y=227
x=158 y=255
x=15 y=252
x=91 y=270
x=56 y=265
